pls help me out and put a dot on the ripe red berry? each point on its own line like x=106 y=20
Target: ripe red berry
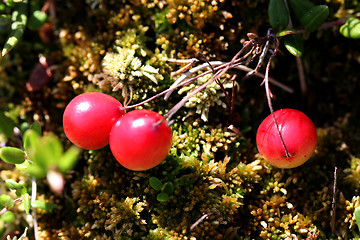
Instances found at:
x=298 y=133
x=139 y=141
x=88 y=119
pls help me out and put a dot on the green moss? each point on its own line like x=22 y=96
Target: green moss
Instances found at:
x=121 y=48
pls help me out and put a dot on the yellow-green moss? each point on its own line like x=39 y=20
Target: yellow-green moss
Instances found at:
x=216 y=172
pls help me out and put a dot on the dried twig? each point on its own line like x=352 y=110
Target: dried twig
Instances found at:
x=333 y=204
x=5 y=209
x=189 y=62
x=217 y=65
x=220 y=65
x=203 y=217
x=251 y=49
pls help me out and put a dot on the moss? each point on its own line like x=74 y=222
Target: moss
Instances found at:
x=353 y=173
x=123 y=71
x=206 y=100
x=207 y=142
x=222 y=188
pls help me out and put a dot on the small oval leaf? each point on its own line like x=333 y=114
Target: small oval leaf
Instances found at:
x=68 y=159
x=300 y=7
x=36 y=127
x=10 y=3
x=316 y=16
x=6 y=125
x=6 y=201
x=31 y=138
x=294 y=44
x=155 y=183
x=36 y=170
x=308 y=14
x=42 y=205
x=162 y=197
x=351 y=29
x=278 y=14
x=285 y=32
x=8 y=217
x=36 y=20
x=169 y=188
x=23 y=166
x=26 y=202
x=12 y=155
x=13 y=185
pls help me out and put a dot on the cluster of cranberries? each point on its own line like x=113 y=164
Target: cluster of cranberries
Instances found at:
x=139 y=139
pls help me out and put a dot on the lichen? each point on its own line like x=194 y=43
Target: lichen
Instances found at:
x=212 y=96
x=124 y=71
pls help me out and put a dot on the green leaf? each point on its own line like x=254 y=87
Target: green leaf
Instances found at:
x=37 y=171
x=42 y=205
x=155 y=183
x=300 y=7
x=24 y=126
x=37 y=19
x=2 y=228
x=278 y=14
x=30 y=139
x=46 y=152
x=313 y=19
x=36 y=127
x=168 y=188
x=52 y=147
x=20 y=188
x=2 y=7
x=357 y=216
x=162 y=197
x=285 y=32
x=351 y=29
x=8 y=217
x=13 y=185
x=10 y=3
x=26 y=202
x=6 y=125
x=310 y=16
x=21 y=191
x=12 y=155
x=6 y=201
x=294 y=44
x=23 y=166
x=68 y=159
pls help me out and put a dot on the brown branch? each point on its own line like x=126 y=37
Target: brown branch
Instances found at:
x=204 y=217
x=333 y=204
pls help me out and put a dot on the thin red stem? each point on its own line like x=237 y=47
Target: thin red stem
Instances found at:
x=268 y=96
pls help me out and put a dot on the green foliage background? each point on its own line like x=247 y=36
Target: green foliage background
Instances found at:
x=214 y=171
